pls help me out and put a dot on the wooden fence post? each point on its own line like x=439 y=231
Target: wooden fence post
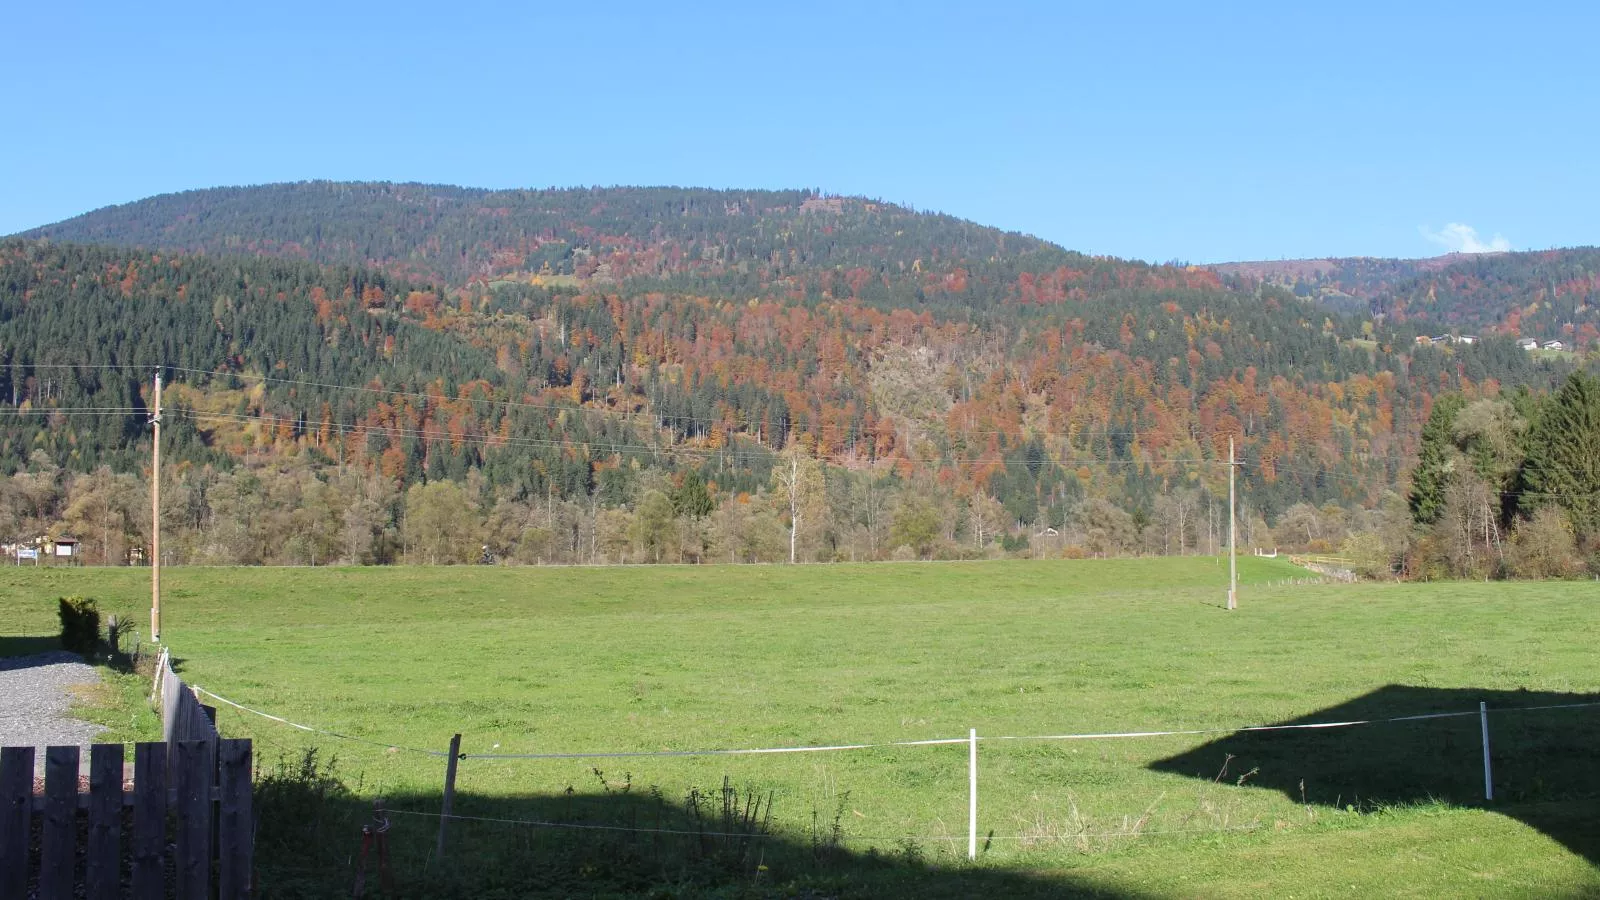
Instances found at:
x=149 y=821
x=103 y=867
x=235 y=821
x=58 y=843
x=16 y=815
x=196 y=776
x=449 y=793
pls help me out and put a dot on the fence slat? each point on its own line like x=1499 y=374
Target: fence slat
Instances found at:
x=58 y=844
x=103 y=866
x=197 y=773
x=149 y=821
x=16 y=813
x=235 y=821
x=184 y=729
x=170 y=688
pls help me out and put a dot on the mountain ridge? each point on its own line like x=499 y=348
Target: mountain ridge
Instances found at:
x=422 y=226
x=1542 y=294
x=748 y=241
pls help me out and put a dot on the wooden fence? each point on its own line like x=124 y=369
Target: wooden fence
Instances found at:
x=183 y=716
x=1333 y=567
x=183 y=826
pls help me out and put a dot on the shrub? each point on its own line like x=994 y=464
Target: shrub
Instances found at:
x=1543 y=547
x=80 y=625
x=1369 y=556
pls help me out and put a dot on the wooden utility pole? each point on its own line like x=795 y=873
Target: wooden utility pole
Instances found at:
x=155 y=519
x=1233 y=554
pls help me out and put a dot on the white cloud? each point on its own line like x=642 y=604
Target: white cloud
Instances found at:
x=1459 y=238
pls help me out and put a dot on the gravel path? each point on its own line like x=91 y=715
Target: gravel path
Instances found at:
x=34 y=700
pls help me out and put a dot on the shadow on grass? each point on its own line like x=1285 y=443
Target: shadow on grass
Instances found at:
x=28 y=645
x=624 y=842
x=1546 y=762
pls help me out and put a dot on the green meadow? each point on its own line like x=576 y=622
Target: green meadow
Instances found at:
x=644 y=659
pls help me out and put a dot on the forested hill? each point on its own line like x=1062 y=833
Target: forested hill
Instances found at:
x=1547 y=295
x=576 y=359
x=1551 y=295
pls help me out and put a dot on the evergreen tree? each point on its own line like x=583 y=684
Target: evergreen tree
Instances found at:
x=1435 y=460
x=690 y=499
x=1563 y=459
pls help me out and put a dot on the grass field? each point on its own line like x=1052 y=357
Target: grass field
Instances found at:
x=646 y=659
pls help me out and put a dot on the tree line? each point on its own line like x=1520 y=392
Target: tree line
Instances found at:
x=293 y=511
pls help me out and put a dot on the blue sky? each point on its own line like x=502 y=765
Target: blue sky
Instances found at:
x=1202 y=132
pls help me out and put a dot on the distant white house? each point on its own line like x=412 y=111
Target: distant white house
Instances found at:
x=1554 y=345
x=1528 y=344
x=1467 y=339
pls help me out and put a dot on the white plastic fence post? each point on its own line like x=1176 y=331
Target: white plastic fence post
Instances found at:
x=1488 y=771
x=972 y=794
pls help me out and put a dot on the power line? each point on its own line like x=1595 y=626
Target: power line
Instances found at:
x=604 y=446
x=743 y=422
x=74 y=411
x=307 y=422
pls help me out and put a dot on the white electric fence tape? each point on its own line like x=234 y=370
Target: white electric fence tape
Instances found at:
x=1089 y=736
x=751 y=752
x=346 y=737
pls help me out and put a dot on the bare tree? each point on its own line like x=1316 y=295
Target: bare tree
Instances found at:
x=985 y=516
x=798 y=483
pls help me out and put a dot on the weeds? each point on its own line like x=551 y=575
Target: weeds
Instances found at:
x=299 y=800
x=620 y=788
x=729 y=825
x=911 y=852
x=828 y=844
x=1073 y=828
